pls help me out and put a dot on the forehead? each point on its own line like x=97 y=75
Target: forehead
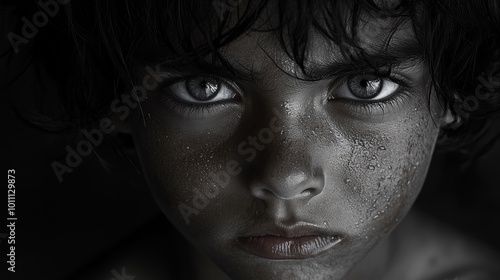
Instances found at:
x=374 y=36
x=377 y=36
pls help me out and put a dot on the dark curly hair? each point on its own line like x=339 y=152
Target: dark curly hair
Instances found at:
x=459 y=41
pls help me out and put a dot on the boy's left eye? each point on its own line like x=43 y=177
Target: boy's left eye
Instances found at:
x=366 y=88
x=202 y=90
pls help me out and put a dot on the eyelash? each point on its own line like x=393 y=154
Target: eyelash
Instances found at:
x=191 y=108
x=394 y=101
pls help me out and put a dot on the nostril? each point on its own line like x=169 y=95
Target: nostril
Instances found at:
x=299 y=186
x=262 y=193
x=309 y=192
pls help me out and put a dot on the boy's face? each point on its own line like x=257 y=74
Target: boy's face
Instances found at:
x=278 y=177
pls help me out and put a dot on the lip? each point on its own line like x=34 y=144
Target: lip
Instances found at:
x=300 y=241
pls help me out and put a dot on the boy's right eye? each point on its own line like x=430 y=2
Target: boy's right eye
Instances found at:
x=202 y=90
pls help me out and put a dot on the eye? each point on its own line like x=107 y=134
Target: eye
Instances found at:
x=366 y=88
x=202 y=90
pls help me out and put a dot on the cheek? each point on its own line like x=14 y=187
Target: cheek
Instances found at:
x=382 y=169
x=373 y=172
x=182 y=163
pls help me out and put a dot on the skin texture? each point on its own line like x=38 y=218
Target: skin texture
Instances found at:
x=351 y=169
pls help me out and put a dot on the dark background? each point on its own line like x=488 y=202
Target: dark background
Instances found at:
x=104 y=203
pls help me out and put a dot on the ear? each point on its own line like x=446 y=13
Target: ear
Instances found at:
x=449 y=119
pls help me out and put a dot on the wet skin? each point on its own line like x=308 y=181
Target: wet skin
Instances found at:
x=351 y=169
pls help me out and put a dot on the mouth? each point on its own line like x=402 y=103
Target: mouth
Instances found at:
x=295 y=242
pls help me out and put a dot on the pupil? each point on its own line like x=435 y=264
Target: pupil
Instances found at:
x=365 y=87
x=209 y=87
x=202 y=89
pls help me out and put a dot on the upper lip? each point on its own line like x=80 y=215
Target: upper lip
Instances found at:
x=288 y=231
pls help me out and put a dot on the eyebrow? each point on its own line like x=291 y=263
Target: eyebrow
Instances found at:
x=183 y=67
x=397 y=53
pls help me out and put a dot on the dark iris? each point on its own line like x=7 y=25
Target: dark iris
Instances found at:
x=203 y=88
x=365 y=86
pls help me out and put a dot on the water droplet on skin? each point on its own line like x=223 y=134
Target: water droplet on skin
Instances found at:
x=371 y=167
x=382 y=148
x=347 y=181
x=375 y=217
x=187 y=147
x=149 y=115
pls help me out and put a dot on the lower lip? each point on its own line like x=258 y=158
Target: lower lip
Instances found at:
x=277 y=247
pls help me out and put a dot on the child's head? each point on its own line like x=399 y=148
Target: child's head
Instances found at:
x=267 y=120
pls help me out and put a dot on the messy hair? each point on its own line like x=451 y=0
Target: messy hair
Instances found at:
x=459 y=43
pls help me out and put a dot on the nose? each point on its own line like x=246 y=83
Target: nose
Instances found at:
x=289 y=185
x=286 y=168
